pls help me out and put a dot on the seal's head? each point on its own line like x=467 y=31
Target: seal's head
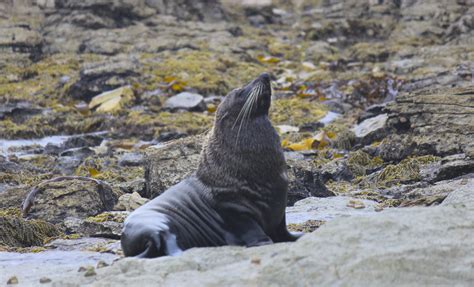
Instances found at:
x=243 y=143
x=250 y=101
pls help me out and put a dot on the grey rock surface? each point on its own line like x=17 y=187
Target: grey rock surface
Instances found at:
x=186 y=101
x=54 y=264
x=329 y=208
x=398 y=247
x=371 y=129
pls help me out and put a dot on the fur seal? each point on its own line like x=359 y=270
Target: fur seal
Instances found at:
x=238 y=194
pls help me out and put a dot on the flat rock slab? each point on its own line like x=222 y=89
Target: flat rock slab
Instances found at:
x=30 y=267
x=418 y=246
x=328 y=208
x=371 y=129
x=186 y=101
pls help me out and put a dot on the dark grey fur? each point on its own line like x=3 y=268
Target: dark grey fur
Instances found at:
x=236 y=197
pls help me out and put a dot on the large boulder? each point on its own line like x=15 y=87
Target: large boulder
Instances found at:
x=437 y=122
x=64 y=197
x=397 y=247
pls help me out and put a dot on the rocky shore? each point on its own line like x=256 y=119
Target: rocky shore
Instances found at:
x=104 y=104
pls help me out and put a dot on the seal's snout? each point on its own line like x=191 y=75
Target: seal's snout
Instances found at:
x=264 y=77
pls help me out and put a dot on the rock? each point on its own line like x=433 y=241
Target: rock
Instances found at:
x=130 y=202
x=329 y=208
x=44 y=280
x=371 y=129
x=336 y=170
x=84 y=140
x=304 y=181
x=167 y=165
x=372 y=111
x=79 y=153
x=447 y=168
x=135 y=186
x=13 y=196
x=81 y=244
x=107 y=225
x=90 y=271
x=17 y=232
x=64 y=197
x=105 y=76
x=462 y=196
x=18 y=111
x=437 y=121
x=29 y=268
x=438 y=192
x=186 y=101
x=131 y=159
x=12 y=280
x=403 y=255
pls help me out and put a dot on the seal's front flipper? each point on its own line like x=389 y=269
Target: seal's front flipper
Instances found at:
x=282 y=234
x=171 y=245
x=247 y=232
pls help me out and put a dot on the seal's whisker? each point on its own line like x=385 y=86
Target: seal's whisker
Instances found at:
x=247 y=109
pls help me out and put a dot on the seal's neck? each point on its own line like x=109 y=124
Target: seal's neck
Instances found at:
x=252 y=155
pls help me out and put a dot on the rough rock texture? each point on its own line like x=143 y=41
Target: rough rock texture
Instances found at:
x=18 y=232
x=130 y=202
x=169 y=164
x=416 y=242
x=107 y=225
x=438 y=122
x=325 y=209
x=51 y=264
x=78 y=198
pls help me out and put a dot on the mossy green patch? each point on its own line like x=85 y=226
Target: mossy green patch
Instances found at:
x=108 y=170
x=202 y=70
x=405 y=171
x=296 y=112
x=307 y=226
x=18 y=232
x=107 y=216
x=360 y=162
x=155 y=124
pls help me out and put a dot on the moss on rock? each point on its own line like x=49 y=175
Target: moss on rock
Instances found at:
x=18 y=232
x=360 y=162
x=296 y=112
x=407 y=170
x=203 y=70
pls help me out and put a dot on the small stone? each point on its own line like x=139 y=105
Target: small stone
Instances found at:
x=256 y=261
x=44 y=280
x=12 y=281
x=101 y=264
x=371 y=129
x=378 y=208
x=130 y=202
x=81 y=269
x=131 y=159
x=186 y=101
x=90 y=272
x=356 y=204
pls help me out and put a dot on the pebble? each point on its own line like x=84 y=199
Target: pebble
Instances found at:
x=12 y=281
x=44 y=280
x=90 y=272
